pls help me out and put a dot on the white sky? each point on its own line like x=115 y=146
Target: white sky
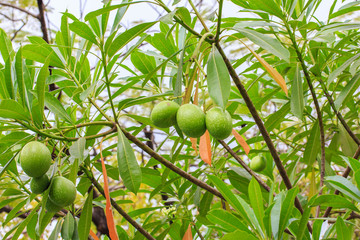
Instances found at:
x=143 y=12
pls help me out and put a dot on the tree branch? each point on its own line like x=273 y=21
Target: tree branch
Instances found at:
x=20 y=9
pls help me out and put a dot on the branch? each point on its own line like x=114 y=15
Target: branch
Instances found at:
x=338 y=114
x=345 y=175
x=20 y=9
x=245 y=166
x=261 y=127
x=219 y=21
x=42 y=20
x=116 y=206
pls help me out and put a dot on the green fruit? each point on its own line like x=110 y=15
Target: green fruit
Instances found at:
x=35 y=159
x=191 y=120
x=218 y=123
x=39 y=185
x=62 y=191
x=258 y=164
x=51 y=206
x=164 y=114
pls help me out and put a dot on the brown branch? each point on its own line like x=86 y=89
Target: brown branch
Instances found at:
x=171 y=166
x=20 y=9
x=42 y=20
x=245 y=166
x=338 y=114
x=345 y=175
x=8 y=209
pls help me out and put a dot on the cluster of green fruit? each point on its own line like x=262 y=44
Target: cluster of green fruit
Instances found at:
x=191 y=119
x=35 y=160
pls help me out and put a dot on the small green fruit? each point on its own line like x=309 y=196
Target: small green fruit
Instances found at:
x=62 y=191
x=218 y=123
x=39 y=185
x=35 y=159
x=191 y=120
x=51 y=206
x=258 y=164
x=164 y=114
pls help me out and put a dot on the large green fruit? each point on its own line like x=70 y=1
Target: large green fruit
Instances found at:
x=164 y=114
x=40 y=184
x=62 y=191
x=35 y=159
x=258 y=164
x=51 y=206
x=218 y=123
x=191 y=120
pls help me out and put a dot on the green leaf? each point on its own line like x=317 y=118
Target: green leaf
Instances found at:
x=302 y=229
x=334 y=201
x=297 y=94
x=345 y=186
x=238 y=234
x=129 y=169
x=145 y=64
x=67 y=229
x=13 y=110
x=56 y=107
x=348 y=146
x=277 y=117
x=226 y=220
x=40 y=53
x=343 y=231
x=275 y=215
x=269 y=6
x=125 y=37
x=286 y=210
x=4 y=93
x=19 y=68
x=103 y=10
x=128 y=102
x=41 y=86
x=236 y=202
x=14 y=212
x=256 y=201
x=84 y=31
x=77 y=149
x=312 y=146
x=348 y=91
x=270 y=44
x=55 y=233
x=340 y=69
x=218 y=79
x=6 y=48
x=347 y=8
x=86 y=218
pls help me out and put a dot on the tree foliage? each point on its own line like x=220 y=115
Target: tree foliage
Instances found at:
x=290 y=84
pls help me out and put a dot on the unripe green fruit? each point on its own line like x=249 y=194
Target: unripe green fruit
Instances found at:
x=191 y=120
x=39 y=185
x=35 y=159
x=258 y=164
x=51 y=206
x=218 y=123
x=164 y=114
x=62 y=191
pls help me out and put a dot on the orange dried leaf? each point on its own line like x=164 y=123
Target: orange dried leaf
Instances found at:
x=108 y=210
x=93 y=235
x=188 y=234
x=205 y=148
x=275 y=74
x=194 y=144
x=241 y=141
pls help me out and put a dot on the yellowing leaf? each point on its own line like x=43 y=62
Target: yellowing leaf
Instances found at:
x=188 y=234
x=241 y=141
x=194 y=144
x=273 y=73
x=205 y=148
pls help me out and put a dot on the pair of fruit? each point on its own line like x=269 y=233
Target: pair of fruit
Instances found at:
x=35 y=160
x=192 y=120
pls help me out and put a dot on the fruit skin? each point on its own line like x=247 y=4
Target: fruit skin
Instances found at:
x=218 y=123
x=51 y=206
x=62 y=191
x=191 y=120
x=35 y=159
x=258 y=164
x=164 y=114
x=40 y=184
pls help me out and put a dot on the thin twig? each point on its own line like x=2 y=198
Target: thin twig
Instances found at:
x=20 y=9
